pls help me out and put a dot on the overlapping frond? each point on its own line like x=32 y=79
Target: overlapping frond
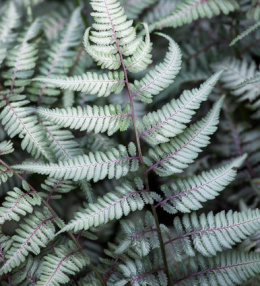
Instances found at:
x=190 y=10
x=140 y=235
x=161 y=76
x=21 y=59
x=175 y=156
x=59 y=59
x=125 y=199
x=236 y=72
x=141 y=58
x=170 y=120
x=57 y=267
x=17 y=203
x=99 y=119
x=114 y=164
x=9 y=21
x=134 y=8
x=35 y=233
x=210 y=233
x=227 y=268
x=6 y=147
x=18 y=119
x=186 y=195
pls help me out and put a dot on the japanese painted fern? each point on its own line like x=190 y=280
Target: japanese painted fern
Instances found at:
x=75 y=181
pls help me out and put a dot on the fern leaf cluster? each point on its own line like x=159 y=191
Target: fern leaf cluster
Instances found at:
x=106 y=176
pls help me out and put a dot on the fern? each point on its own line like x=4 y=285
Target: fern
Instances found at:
x=98 y=119
x=187 y=195
x=162 y=75
x=18 y=119
x=113 y=205
x=56 y=268
x=169 y=121
x=222 y=269
x=175 y=156
x=37 y=231
x=18 y=203
x=190 y=10
x=94 y=166
x=99 y=131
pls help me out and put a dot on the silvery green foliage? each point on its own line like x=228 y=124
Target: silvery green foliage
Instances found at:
x=77 y=103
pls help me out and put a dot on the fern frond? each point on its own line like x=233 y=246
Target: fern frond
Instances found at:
x=91 y=83
x=227 y=268
x=173 y=157
x=2 y=54
x=237 y=71
x=245 y=33
x=135 y=7
x=17 y=203
x=161 y=76
x=113 y=163
x=211 y=233
x=58 y=60
x=108 y=118
x=36 y=232
x=6 y=147
x=170 y=120
x=57 y=267
x=141 y=58
x=113 y=31
x=190 y=10
x=18 y=119
x=140 y=235
x=5 y=174
x=186 y=195
x=122 y=201
x=21 y=59
x=9 y=22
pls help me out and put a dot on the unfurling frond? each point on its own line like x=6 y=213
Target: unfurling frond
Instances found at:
x=190 y=10
x=175 y=156
x=227 y=268
x=108 y=118
x=161 y=76
x=35 y=233
x=210 y=233
x=171 y=119
x=186 y=195
x=113 y=163
x=57 y=267
x=125 y=199
x=18 y=119
x=6 y=147
x=91 y=83
x=17 y=203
